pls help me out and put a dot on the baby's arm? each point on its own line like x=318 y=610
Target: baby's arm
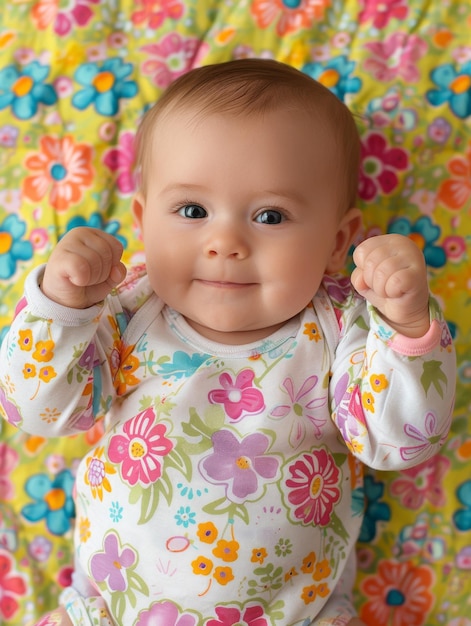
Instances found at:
x=83 y=268
x=391 y=274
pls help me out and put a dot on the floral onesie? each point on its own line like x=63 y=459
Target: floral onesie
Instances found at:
x=227 y=488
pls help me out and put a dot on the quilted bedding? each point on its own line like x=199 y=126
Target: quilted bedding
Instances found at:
x=75 y=78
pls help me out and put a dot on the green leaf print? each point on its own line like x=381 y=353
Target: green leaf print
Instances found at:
x=201 y=429
x=433 y=375
x=223 y=506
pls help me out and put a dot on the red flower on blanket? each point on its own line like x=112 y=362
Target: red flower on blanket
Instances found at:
x=379 y=167
x=62 y=169
x=291 y=15
x=11 y=586
x=398 y=593
x=152 y=13
x=76 y=13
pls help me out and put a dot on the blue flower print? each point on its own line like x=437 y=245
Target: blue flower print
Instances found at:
x=425 y=234
x=375 y=510
x=25 y=90
x=183 y=365
x=104 y=85
x=95 y=220
x=454 y=87
x=53 y=501
x=462 y=517
x=12 y=248
x=335 y=75
x=185 y=516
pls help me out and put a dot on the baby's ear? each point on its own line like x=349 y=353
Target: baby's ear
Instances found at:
x=349 y=227
x=137 y=208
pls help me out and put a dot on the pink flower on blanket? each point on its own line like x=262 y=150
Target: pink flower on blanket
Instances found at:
x=239 y=397
x=76 y=13
x=395 y=57
x=120 y=160
x=140 y=449
x=164 y=612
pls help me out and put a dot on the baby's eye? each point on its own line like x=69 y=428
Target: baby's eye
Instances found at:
x=270 y=216
x=193 y=211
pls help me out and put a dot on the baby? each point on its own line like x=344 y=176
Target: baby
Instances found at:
x=242 y=380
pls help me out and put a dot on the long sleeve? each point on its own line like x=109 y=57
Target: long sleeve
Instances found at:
x=393 y=396
x=55 y=375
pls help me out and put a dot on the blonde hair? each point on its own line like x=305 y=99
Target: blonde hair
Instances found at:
x=255 y=86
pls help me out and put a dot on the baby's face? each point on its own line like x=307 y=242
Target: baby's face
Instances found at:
x=240 y=219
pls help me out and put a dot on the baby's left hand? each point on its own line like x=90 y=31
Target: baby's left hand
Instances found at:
x=391 y=274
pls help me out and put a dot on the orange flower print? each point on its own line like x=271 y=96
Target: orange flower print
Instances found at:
x=47 y=373
x=308 y=563
x=44 y=351
x=123 y=365
x=456 y=191
x=322 y=570
x=368 y=401
x=25 y=340
x=378 y=382
x=96 y=474
x=291 y=15
x=312 y=331
x=309 y=594
x=223 y=575
x=291 y=574
x=202 y=566
x=62 y=169
x=207 y=532
x=84 y=529
x=258 y=555
x=226 y=550
x=398 y=593
x=29 y=370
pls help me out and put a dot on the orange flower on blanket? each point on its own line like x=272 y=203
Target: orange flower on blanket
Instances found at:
x=62 y=169
x=291 y=15
x=399 y=594
x=456 y=191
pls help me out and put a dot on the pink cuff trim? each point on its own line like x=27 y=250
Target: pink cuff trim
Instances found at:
x=410 y=346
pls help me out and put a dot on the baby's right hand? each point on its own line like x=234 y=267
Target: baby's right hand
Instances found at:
x=83 y=268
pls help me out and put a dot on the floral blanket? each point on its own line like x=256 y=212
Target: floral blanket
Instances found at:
x=75 y=78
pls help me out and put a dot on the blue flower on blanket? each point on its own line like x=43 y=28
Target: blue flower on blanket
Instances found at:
x=95 y=220
x=335 y=75
x=425 y=234
x=25 y=90
x=454 y=87
x=375 y=510
x=12 y=247
x=462 y=517
x=104 y=84
x=182 y=365
x=52 y=501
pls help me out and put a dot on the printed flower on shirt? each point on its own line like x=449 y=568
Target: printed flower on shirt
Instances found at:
x=96 y=473
x=313 y=487
x=140 y=448
x=11 y=585
x=398 y=593
x=241 y=465
x=166 y=613
x=430 y=441
x=253 y=615
x=301 y=410
x=61 y=168
x=123 y=364
x=238 y=397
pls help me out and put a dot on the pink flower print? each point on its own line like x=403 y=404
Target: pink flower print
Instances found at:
x=239 y=464
x=379 y=166
x=121 y=160
x=166 y=614
x=170 y=58
x=8 y=462
x=238 y=397
x=301 y=410
x=111 y=564
x=380 y=12
x=140 y=449
x=395 y=57
x=313 y=487
x=430 y=441
x=233 y=616
x=11 y=586
x=154 y=12
x=46 y=12
x=418 y=484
